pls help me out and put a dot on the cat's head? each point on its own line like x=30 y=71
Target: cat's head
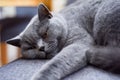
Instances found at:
x=44 y=36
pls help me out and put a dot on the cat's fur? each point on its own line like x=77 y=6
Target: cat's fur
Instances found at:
x=67 y=35
x=105 y=57
x=106 y=52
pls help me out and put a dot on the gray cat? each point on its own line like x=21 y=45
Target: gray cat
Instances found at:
x=66 y=36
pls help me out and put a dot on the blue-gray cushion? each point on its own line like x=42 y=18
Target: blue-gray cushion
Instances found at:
x=22 y=69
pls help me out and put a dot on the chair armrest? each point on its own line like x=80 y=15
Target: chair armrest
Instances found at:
x=22 y=69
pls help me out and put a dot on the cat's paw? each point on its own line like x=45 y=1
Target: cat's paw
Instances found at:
x=94 y=57
x=33 y=54
x=90 y=55
x=98 y=58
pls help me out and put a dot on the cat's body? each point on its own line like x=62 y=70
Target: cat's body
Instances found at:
x=65 y=36
x=106 y=51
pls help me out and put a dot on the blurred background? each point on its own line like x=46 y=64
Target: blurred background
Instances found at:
x=14 y=16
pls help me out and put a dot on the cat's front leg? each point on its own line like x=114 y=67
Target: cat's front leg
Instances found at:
x=32 y=54
x=69 y=60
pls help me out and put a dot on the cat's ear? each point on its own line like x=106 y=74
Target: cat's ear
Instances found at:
x=43 y=12
x=14 y=41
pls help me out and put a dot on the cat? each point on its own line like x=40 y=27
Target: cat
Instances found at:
x=65 y=37
x=49 y=35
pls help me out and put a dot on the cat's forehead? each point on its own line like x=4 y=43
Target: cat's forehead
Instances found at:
x=36 y=22
x=55 y=23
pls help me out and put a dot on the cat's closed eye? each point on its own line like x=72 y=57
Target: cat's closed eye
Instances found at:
x=29 y=47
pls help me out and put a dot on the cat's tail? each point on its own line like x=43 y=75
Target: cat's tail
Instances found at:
x=107 y=58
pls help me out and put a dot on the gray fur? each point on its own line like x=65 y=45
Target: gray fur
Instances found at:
x=67 y=36
x=107 y=37
x=105 y=57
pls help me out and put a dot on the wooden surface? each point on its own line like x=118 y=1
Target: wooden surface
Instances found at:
x=3 y=53
x=19 y=2
x=0 y=56
x=31 y=3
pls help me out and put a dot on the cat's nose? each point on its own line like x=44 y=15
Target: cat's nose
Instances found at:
x=42 y=48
